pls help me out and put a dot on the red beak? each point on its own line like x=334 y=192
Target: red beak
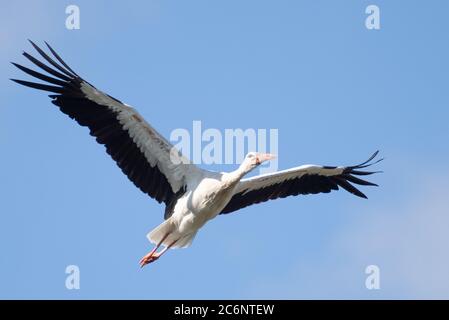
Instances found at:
x=265 y=157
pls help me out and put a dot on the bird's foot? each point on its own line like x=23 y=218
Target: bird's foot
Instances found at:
x=149 y=258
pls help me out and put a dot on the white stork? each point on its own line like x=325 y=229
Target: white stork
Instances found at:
x=192 y=196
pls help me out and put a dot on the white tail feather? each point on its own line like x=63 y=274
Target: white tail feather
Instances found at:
x=157 y=234
x=167 y=229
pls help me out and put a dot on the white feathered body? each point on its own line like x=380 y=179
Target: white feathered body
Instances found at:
x=206 y=196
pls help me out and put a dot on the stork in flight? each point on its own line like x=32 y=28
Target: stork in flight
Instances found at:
x=192 y=196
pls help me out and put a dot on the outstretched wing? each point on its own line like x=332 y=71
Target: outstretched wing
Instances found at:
x=307 y=179
x=144 y=155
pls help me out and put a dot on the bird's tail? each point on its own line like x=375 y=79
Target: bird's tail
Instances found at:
x=167 y=230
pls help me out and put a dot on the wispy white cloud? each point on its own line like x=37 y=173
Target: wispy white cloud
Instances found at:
x=408 y=240
x=411 y=239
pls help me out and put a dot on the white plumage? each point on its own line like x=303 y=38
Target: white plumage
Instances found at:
x=192 y=196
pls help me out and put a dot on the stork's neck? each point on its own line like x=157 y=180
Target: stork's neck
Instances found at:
x=238 y=174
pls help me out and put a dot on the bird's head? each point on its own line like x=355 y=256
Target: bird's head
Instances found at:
x=255 y=159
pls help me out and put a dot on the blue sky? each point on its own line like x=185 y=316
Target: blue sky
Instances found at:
x=335 y=90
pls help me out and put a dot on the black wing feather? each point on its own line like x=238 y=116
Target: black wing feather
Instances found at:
x=50 y=60
x=101 y=120
x=305 y=184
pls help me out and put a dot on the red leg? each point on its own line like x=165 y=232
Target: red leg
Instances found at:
x=155 y=255
x=149 y=257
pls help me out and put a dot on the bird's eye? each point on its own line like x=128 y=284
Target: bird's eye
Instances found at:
x=250 y=156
